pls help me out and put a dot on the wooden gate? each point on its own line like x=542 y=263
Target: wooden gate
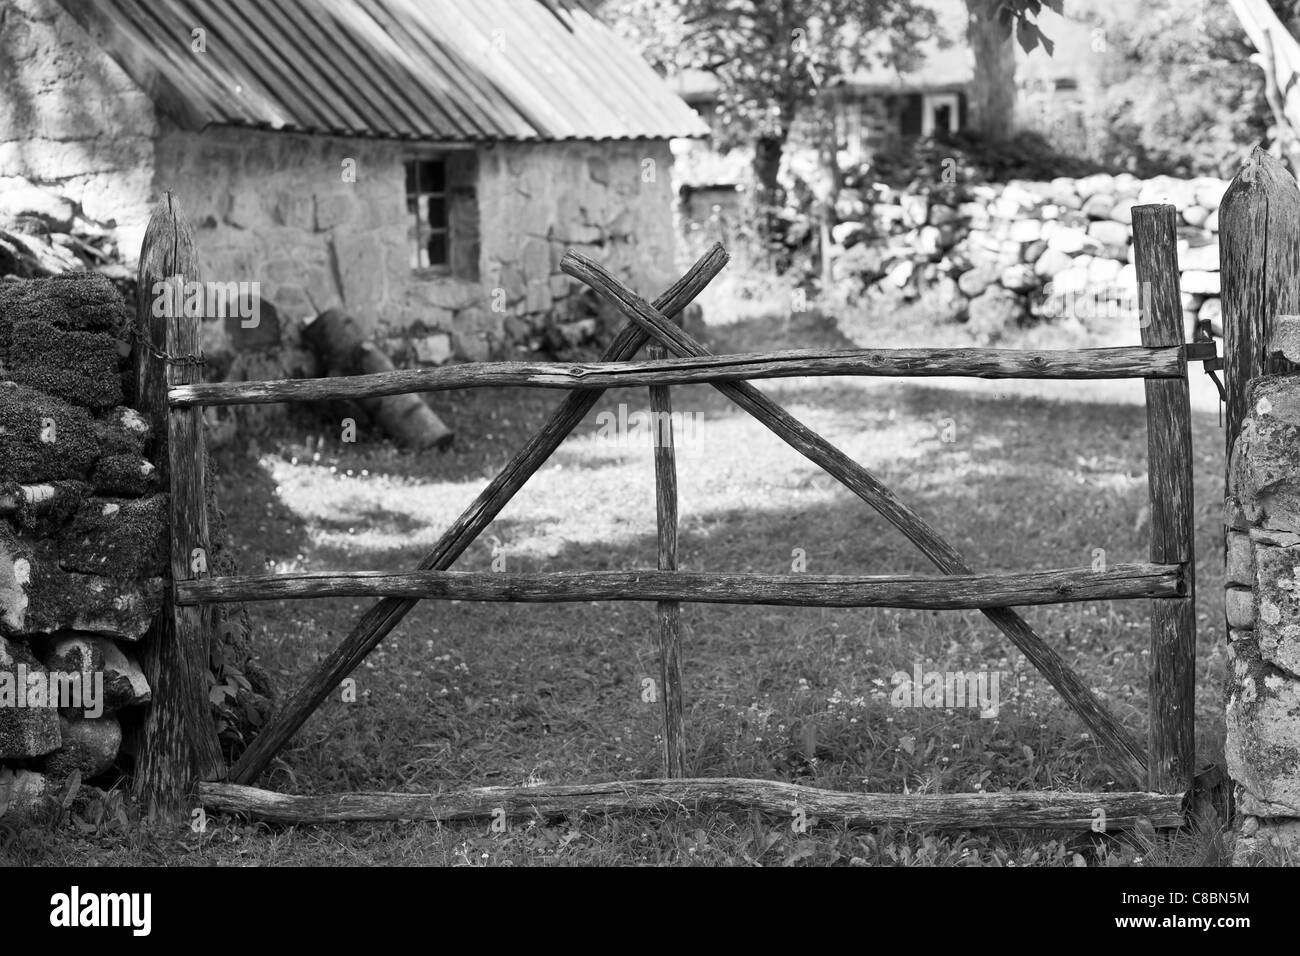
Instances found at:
x=1159 y=775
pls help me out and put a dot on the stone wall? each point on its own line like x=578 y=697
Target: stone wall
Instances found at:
x=83 y=532
x=997 y=256
x=1262 y=515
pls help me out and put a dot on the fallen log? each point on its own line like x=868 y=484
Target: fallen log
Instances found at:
x=338 y=342
x=1026 y=809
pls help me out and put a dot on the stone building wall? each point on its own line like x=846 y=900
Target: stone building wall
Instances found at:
x=73 y=121
x=275 y=208
x=1262 y=515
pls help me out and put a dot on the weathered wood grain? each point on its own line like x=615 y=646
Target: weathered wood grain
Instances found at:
x=1115 y=740
x=179 y=742
x=1025 y=809
x=1171 y=700
x=1259 y=257
x=934 y=592
x=668 y=612
x=1108 y=363
x=382 y=617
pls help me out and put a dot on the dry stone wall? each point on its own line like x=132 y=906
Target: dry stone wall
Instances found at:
x=1262 y=516
x=998 y=256
x=83 y=533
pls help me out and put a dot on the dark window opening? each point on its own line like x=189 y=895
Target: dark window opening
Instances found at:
x=426 y=200
x=441 y=201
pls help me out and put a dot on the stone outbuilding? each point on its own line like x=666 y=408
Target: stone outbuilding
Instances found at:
x=423 y=165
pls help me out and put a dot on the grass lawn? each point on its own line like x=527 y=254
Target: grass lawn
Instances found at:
x=465 y=694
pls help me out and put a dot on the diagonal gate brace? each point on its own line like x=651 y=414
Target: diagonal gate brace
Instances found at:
x=385 y=614
x=1125 y=753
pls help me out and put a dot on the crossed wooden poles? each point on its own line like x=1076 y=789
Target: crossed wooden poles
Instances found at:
x=651 y=323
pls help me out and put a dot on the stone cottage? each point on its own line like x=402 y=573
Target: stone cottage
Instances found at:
x=422 y=164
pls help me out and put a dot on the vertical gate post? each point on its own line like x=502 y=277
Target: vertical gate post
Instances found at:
x=1259 y=255
x=1172 y=690
x=179 y=744
x=669 y=612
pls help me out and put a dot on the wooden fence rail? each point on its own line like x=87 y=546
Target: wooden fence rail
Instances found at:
x=1023 y=809
x=1109 y=363
x=935 y=592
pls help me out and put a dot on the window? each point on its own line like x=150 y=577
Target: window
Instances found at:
x=426 y=201
x=443 y=208
x=939 y=114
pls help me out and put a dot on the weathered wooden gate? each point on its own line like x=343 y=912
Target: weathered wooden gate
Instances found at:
x=1159 y=774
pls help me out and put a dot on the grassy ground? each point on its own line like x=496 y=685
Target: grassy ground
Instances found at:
x=464 y=694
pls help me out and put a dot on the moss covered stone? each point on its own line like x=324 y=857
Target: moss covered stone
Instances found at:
x=117 y=538
x=25 y=731
x=80 y=367
x=72 y=301
x=124 y=475
x=43 y=438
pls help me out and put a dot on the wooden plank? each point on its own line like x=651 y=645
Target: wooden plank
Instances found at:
x=668 y=612
x=179 y=738
x=1024 y=809
x=1109 y=363
x=1259 y=253
x=934 y=592
x=382 y=617
x=1171 y=699
x=1115 y=740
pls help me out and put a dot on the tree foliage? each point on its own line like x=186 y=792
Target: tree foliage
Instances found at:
x=1179 y=93
x=771 y=57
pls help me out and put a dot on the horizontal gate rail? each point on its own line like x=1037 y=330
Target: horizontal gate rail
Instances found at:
x=922 y=592
x=1134 y=361
x=1021 y=809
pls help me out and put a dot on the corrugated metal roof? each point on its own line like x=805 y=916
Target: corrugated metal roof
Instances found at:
x=437 y=70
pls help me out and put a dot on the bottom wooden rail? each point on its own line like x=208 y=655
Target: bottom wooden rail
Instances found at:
x=1029 y=809
x=934 y=592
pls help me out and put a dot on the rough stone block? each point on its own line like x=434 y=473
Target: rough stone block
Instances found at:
x=119 y=539
x=29 y=727
x=73 y=653
x=89 y=745
x=38 y=597
x=125 y=475
x=79 y=367
x=21 y=790
x=73 y=301
x=1263 y=474
x=1239 y=566
x=1240 y=607
x=1265 y=841
x=1277 y=624
x=1262 y=744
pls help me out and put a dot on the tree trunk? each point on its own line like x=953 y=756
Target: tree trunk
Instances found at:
x=992 y=104
x=406 y=418
x=768 y=196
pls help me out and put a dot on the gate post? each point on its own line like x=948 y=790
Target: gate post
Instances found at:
x=1171 y=699
x=179 y=744
x=1259 y=235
